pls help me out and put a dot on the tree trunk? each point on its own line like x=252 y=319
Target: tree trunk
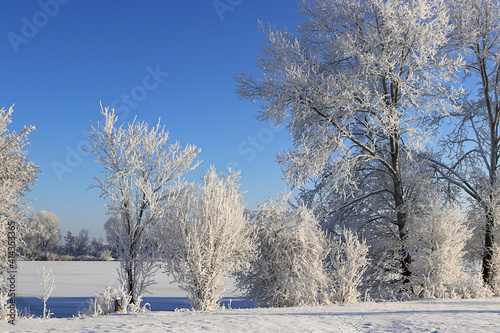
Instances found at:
x=488 y=247
x=130 y=278
x=399 y=205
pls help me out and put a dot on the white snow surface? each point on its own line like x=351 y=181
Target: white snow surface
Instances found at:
x=78 y=279
x=84 y=279
x=478 y=315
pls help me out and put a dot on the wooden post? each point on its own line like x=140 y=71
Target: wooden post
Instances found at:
x=118 y=304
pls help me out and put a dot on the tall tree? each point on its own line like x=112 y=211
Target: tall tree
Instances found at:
x=358 y=88
x=139 y=167
x=473 y=146
x=17 y=175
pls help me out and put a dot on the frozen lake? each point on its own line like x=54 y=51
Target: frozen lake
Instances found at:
x=78 y=281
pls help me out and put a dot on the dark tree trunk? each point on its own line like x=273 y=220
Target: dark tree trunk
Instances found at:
x=488 y=247
x=399 y=205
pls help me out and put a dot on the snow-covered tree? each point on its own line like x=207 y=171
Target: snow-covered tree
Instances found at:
x=205 y=236
x=17 y=175
x=289 y=267
x=139 y=168
x=436 y=242
x=347 y=262
x=358 y=88
x=473 y=147
x=42 y=234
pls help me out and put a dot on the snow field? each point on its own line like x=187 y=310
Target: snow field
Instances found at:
x=426 y=315
x=84 y=279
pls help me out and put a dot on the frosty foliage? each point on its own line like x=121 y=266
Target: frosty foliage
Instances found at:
x=17 y=175
x=139 y=166
x=495 y=265
x=289 y=267
x=205 y=237
x=4 y=302
x=347 y=262
x=361 y=79
x=472 y=148
x=104 y=303
x=42 y=234
x=436 y=241
x=360 y=88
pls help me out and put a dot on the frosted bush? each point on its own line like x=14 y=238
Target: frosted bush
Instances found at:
x=495 y=265
x=106 y=255
x=206 y=237
x=436 y=241
x=347 y=262
x=104 y=303
x=289 y=269
x=4 y=298
x=471 y=286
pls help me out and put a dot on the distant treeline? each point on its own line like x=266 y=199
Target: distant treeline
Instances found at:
x=42 y=241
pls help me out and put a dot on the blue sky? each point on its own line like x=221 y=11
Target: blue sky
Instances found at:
x=170 y=59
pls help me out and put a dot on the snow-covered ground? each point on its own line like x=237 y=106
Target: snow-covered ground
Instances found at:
x=481 y=315
x=84 y=279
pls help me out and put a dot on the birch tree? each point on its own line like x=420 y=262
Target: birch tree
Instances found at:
x=473 y=147
x=358 y=87
x=139 y=166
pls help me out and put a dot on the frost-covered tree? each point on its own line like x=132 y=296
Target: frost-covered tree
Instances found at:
x=289 y=267
x=42 y=234
x=473 y=147
x=347 y=262
x=139 y=168
x=436 y=242
x=205 y=237
x=358 y=89
x=17 y=175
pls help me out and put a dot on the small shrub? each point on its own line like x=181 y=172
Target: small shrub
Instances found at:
x=104 y=303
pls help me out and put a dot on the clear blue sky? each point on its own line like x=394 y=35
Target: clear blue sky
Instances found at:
x=170 y=59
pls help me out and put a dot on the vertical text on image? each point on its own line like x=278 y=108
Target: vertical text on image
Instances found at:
x=11 y=272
